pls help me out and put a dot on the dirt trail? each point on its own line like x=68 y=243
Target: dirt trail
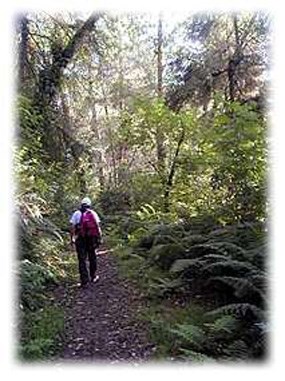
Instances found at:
x=100 y=321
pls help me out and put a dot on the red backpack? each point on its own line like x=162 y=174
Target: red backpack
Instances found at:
x=88 y=224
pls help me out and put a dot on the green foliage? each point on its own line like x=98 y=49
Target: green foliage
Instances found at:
x=240 y=310
x=183 y=264
x=179 y=262
x=220 y=170
x=226 y=338
x=239 y=138
x=114 y=201
x=34 y=277
x=40 y=333
x=192 y=334
x=195 y=356
x=225 y=166
x=222 y=325
x=165 y=255
x=41 y=242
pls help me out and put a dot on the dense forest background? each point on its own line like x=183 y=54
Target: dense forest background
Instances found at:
x=162 y=121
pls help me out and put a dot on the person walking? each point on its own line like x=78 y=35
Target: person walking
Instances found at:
x=86 y=234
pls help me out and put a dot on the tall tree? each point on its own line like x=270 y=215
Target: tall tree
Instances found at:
x=48 y=84
x=23 y=49
x=223 y=53
x=160 y=144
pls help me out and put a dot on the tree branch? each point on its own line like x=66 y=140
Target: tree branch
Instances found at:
x=50 y=76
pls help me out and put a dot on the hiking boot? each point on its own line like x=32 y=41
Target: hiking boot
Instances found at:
x=82 y=285
x=95 y=279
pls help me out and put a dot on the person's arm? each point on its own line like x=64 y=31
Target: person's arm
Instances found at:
x=100 y=234
x=72 y=228
x=72 y=234
x=97 y=218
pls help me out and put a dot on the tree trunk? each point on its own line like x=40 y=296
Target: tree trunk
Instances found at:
x=159 y=57
x=234 y=61
x=231 y=79
x=99 y=155
x=113 y=155
x=169 y=182
x=49 y=82
x=49 y=78
x=23 y=50
x=160 y=144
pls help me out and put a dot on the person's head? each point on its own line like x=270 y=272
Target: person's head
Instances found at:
x=85 y=203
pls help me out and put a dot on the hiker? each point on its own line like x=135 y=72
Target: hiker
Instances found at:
x=87 y=236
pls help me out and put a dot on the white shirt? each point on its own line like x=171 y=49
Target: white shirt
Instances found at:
x=75 y=218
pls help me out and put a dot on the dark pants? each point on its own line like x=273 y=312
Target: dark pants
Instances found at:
x=85 y=247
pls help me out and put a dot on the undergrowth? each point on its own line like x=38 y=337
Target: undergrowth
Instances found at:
x=41 y=333
x=205 y=290
x=43 y=264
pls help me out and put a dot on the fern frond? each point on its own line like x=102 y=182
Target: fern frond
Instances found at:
x=238 y=349
x=227 y=248
x=242 y=286
x=165 y=255
x=137 y=256
x=234 y=265
x=165 y=284
x=217 y=256
x=239 y=310
x=194 y=239
x=226 y=323
x=164 y=239
x=200 y=250
x=182 y=264
x=258 y=255
x=260 y=344
x=260 y=280
x=191 y=334
x=196 y=356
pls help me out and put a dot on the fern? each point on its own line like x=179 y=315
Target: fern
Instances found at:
x=164 y=239
x=239 y=310
x=227 y=248
x=182 y=264
x=162 y=285
x=217 y=256
x=260 y=280
x=233 y=256
x=242 y=286
x=260 y=343
x=223 y=324
x=196 y=356
x=165 y=255
x=232 y=265
x=136 y=256
x=237 y=349
x=191 y=334
x=194 y=239
x=257 y=255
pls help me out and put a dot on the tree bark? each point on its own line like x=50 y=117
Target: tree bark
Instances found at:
x=234 y=61
x=159 y=57
x=49 y=78
x=99 y=155
x=231 y=79
x=23 y=50
x=113 y=154
x=169 y=182
x=160 y=145
x=48 y=85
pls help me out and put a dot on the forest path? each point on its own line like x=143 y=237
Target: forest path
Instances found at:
x=101 y=321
